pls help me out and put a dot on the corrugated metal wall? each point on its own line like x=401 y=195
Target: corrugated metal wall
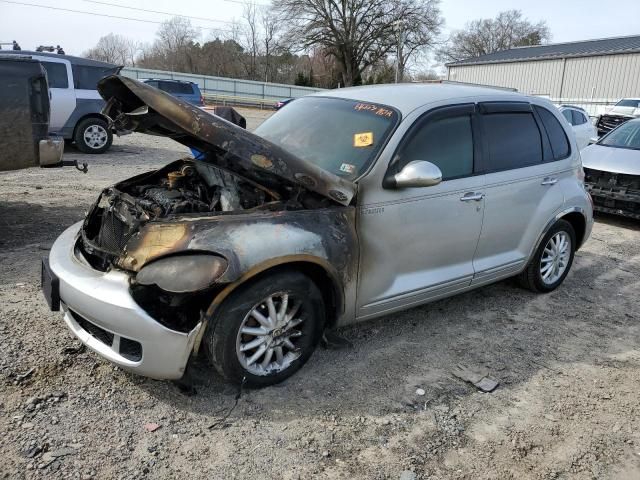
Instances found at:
x=592 y=82
x=227 y=86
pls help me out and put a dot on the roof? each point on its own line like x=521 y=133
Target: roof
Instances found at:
x=83 y=62
x=585 y=48
x=406 y=97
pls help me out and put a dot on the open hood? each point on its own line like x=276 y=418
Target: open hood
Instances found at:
x=135 y=106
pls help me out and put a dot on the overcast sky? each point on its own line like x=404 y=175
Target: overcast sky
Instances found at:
x=31 y=26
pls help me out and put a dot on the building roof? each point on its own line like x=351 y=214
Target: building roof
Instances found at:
x=85 y=62
x=585 y=48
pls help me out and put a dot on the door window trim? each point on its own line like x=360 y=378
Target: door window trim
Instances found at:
x=487 y=108
x=439 y=113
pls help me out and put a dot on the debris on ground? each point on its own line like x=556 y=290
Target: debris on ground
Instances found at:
x=151 y=427
x=478 y=377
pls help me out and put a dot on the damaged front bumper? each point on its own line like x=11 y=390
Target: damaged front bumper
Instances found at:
x=614 y=193
x=99 y=310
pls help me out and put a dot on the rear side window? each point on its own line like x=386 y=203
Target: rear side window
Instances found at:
x=555 y=132
x=447 y=143
x=87 y=78
x=513 y=139
x=56 y=74
x=579 y=118
x=176 y=87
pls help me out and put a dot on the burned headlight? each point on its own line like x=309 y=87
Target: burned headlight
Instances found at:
x=183 y=273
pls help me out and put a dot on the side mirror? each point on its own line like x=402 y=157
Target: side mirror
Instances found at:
x=415 y=174
x=593 y=140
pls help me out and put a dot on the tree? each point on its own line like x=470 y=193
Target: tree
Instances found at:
x=357 y=33
x=116 y=49
x=416 y=32
x=480 y=37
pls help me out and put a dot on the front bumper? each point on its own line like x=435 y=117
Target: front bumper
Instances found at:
x=100 y=311
x=615 y=201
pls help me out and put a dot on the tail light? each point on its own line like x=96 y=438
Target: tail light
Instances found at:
x=201 y=99
x=580 y=174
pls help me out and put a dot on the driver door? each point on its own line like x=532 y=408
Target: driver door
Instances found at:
x=418 y=244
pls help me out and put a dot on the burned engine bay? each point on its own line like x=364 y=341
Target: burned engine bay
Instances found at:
x=184 y=187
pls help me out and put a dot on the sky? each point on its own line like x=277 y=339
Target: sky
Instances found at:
x=569 y=20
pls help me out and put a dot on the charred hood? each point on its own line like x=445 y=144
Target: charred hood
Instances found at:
x=135 y=106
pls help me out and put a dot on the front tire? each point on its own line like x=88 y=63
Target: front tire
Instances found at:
x=552 y=261
x=93 y=136
x=266 y=330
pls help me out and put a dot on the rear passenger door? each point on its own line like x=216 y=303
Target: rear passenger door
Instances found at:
x=521 y=187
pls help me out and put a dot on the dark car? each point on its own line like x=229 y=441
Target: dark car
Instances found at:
x=187 y=91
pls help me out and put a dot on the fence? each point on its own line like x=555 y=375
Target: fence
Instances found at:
x=228 y=90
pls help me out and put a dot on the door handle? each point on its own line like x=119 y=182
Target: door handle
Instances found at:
x=475 y=196
x=549 y=181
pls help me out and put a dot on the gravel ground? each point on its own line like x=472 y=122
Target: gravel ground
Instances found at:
x=568 y=364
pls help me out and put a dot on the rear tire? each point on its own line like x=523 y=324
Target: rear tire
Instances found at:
x=93 y=136
x=552 y=260
x=246 y=343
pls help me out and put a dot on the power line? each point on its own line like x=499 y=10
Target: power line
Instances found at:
x=157 y=11
x=104 y=15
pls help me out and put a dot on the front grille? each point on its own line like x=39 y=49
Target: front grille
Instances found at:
x=129 y=349
x=93 y=330
x=614 y=192
x=606 y=123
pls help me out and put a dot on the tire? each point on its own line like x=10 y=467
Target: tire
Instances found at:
x=544 y=274
x=224 y=342
x=92 y=135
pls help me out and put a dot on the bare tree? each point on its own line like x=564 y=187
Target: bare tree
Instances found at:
x=250 y=37
x=116 y=49
x=270 y=39
x=416 y=32
x=174 y=44
x=480 y=37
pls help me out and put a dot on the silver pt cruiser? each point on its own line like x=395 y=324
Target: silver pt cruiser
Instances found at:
x=345 y=206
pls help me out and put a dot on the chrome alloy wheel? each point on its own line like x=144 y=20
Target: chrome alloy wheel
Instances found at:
x=555 y=258
x=95 y=136
x=267 y=337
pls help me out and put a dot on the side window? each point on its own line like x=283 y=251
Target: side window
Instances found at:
x=567 y=114
x=87 y=78
x=514 y=140
x=555 y=132
x=447 y=143
x=579 y=118
x=56 y=74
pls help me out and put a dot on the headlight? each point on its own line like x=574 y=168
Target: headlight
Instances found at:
x=183 y=273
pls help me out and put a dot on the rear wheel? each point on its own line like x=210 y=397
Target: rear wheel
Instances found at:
x=93 y=136
x=552 y=261
x=266 y=330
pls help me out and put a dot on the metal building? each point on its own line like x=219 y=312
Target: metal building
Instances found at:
x=592 y=73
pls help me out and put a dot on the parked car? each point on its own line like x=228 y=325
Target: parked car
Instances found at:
x=623 y=111
x=347 y=205
x=24 y=116
x=281 y=103
x=76 y=105
x=187 y=91
x=612 y=171
x=578 y=118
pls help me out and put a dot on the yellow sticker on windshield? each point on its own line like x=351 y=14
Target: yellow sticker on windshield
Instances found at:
x=364 y=139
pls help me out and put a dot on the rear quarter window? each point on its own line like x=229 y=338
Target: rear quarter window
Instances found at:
x=513 y=141
x=56 y=74
x=555 y=132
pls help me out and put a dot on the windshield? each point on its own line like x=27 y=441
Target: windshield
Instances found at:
x=626 y=135
x=337 y=135
x=628 y=103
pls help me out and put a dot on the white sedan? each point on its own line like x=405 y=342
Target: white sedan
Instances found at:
x=580 y=123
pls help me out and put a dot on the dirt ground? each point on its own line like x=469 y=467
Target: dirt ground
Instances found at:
x=568 y=363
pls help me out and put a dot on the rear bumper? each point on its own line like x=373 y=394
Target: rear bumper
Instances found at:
x=115 y=320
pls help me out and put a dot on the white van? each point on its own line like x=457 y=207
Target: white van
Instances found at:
x=76 y=105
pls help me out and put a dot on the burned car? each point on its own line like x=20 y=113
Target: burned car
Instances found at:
x=612 y=171
x=344 y=206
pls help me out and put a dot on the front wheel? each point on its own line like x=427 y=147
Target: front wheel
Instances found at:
x=93 y=136
x=267 y=329
x=552 y=261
